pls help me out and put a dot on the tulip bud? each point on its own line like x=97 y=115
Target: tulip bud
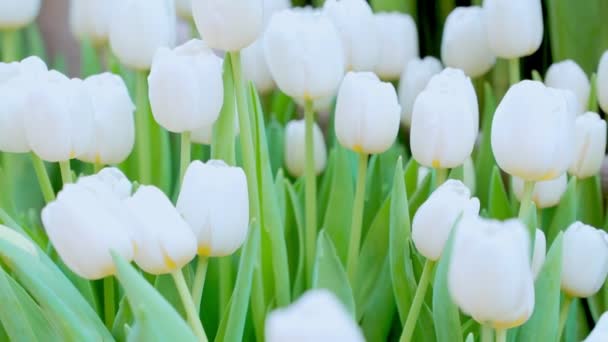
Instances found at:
x=186 y=87
x=90 y=19
x=304 y=54
x=17 y=14
x=255 y=67
x=316 y=316
x=213 y=200
x=367 y=113
x=165 y=242
x=514 y=27
x=355 y=23
x=505 y=298
x=600 y=331
x=110 y=182
x=183 y=8
x=59 y=122
x=435 y=218
x=139 y=28
x=229 y=25
x=585 y=260
x=84 y=230
x=569 y=75
x=445 y=121
x=546 y=194
x=527 y=110
x=602 y=82
x=398 y=40
x=540 y=251
x=464 y=44
x=415 y=77
x=590 y=145
x=295 y=148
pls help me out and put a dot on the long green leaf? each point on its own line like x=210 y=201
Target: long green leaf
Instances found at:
x=295 y=239
x=378 y=318
x=590 y=201
x=499 y=206
x=484 y=161
x=223 y=142
x=565 y=214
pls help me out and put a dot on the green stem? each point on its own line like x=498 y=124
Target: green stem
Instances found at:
x=526 y=200
x=108 y=301
x=185 y=155
x=142 y=129
x=355 y=228
x=225 y=283
x=442 y=176
x=563 y=315
x=97 y=167
x=10 y=41
x=43 y=178
x=193 y=319
x=514 y=71
x=66 y=171
x=486 y=333
x=311 y=188
x=412 y=316
x=199 y=281
x=501 y=335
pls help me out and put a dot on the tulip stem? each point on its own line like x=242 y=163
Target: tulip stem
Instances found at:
x=108 y=301
x=501 y=335
x=412 y=316
x=66 y=171
x=311 y=188
x=185 y=155
x=193 y=319
x=142 y=129
x=10 y=39
x=442 y=176
x=355 y=228
x=563 y=315
x=43 y=178
x=486 y=333
x=199 y=281
x=514 y=72
x=526 y=200
x=97 y=167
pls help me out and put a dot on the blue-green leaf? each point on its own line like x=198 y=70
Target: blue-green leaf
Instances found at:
x=499 y=206
x=565 y=214
x=484 y=161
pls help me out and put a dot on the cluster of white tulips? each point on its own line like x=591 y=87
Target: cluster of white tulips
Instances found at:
x=348 y=244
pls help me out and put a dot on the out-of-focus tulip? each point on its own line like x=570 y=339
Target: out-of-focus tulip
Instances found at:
x=304 y=54
x=502 y=299
x=213 y=200
x=464 y=44
x=435 y=218
x=532 y=132
x=139 y=28
x=546 y=193
x=514 y=27
x=90 y=19
x=602 y=82
x=590 y=145
x=15 y=14
x=585 y=260
x=255 y=67
x=204 y=134
x=414 y=79
x=398 y=40
x=600 y=331
x=186 y=87
x=183 y=8
x=316 y=316
x=569 y=75
x=229 y=25
x=540 y=251
x=295 y=148
x=110 y=182
x=113 y=117
x=367 y=113
x=273 y=6
x=445 y=121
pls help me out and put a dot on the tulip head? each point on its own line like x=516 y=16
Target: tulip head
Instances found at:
x=295 y=148
x=255 y=67
x=600 y=331
x=569 y=75
x=415 y=77
x=546 y=193
x=590 y=145
x=398 y=43
x=90 y=19
x=602 y=82
x=17 y=14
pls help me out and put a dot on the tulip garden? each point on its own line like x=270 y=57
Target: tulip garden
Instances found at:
x=338 y=170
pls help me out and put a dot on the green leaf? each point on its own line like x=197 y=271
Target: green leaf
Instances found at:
x=124 y=317
x=457 y=173
x=499 y=206
x=590 y=202
x=276 y=135
x=411 y=176
x=222 y=146
x=565 y=214
x=485 y=162
x=35 y=41
x=405 y=6
x=326 y=184
x=536 y=76
x=282 y=108
x=422 y=192
x=165 y=285
x=593 y=104
x=89 y=60
x=543 y=324
x=378 y=316
x=328 y=272
x=294 y=226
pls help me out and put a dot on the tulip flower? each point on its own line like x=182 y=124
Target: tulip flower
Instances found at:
x=546 y=193
x=398 y=40
x=183 y=8
x=295 y=148
x=109 y=182
x=569 y=75
x=17 y=14
x=502 y=299
x=316 y=316
x=590 y=145
x=255 y=67
x=585 y=260
x=273 y=6
x=415 y=77
x=540 y=251
x=356 y=25
x=602 y=82
x=228 y=25
x=600 y=331
x=134 y=20
x=114 y=132
x=464 y=44
x=90 y=19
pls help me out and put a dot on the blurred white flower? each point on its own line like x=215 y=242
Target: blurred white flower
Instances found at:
x=600 y=331
x=540 y=251
x=546 y=193
x=602 y=82
x=183 y=8
x=90 y=19
x=295 y=148
x=590 y=145
x=255 y=67
x=15 y=14
x=569 y=75
x=415 y=77
x=398 y=40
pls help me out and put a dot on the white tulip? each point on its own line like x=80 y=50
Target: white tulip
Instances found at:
x=569 y=75
x=255 y=67
x=139 y=28
x=435 y=218
x=15 y=14
x=213 y=200
x=204 y=134
x=585 y=260
x=546 y=194
x=355 y=23
x=109 y=182
x=165 y=242
x=84 y=231
x=367 y=113
x=90 y=19
x=505 y=298
x=590 y=145
x=540 y=251
x=304 y=54
x=229 y=25
x=295 y=148
x=602 y=82
x=317 y=316
x=398 y=43
x=600 y=331
x=415 y=77
x=273 y=6
x=183 y=8
x=59 y=123
x=464 y=44
x=532 y=132
x=445 y=121
x=514 y=27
